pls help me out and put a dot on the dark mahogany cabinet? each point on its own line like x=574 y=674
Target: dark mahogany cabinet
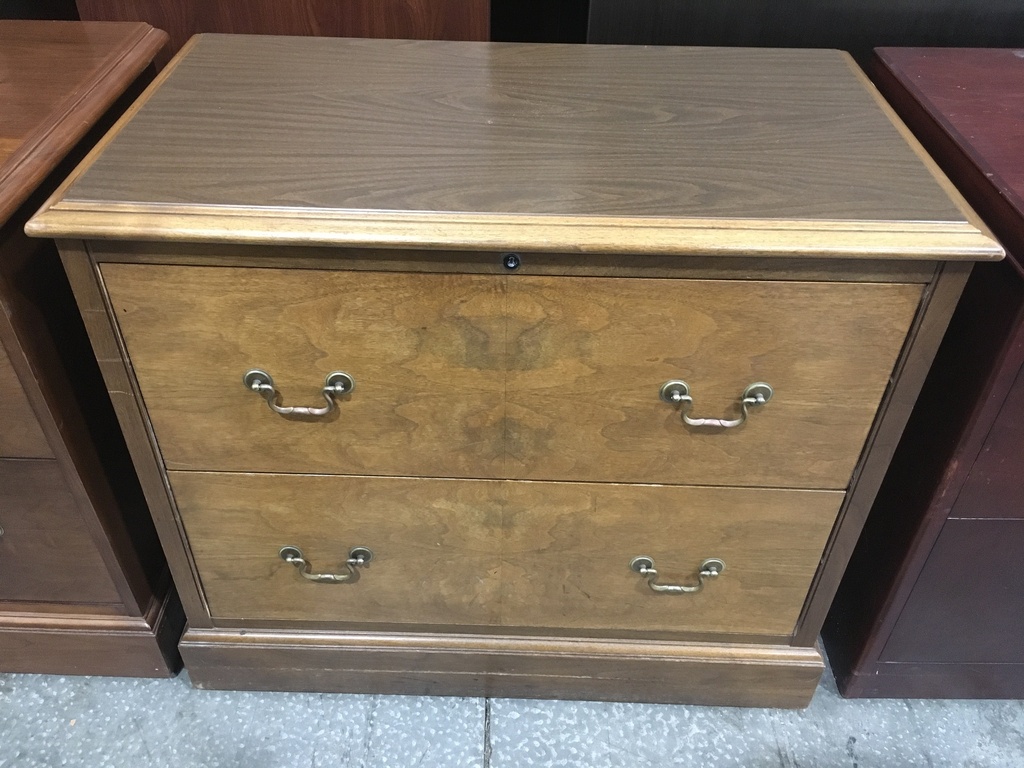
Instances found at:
x=932 y=604
x=84 y=586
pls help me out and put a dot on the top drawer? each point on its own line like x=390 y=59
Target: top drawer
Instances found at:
x=513 y=376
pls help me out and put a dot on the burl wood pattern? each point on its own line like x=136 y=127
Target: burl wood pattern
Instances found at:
x=503 y=553
x=426 y=352
x=520 y=377
x=435 y=546
x=46 y=553
x=415 y=19
x=20 y=435
x=567 y=549
x=586 y=359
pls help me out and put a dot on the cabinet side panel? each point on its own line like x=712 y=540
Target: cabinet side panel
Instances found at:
x=922 y=343
x=121 y=386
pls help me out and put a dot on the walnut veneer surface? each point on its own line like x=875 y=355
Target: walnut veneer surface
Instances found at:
x=309 y=206
x=84 y=588
x=916 y=616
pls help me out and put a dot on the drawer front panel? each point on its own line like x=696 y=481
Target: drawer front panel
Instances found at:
x=511 y=376
x=435 y=546
x=512 y=553
x=568 y=547
x=590 y=356
x=46 y=554
x=20 y=434
x=426 y=353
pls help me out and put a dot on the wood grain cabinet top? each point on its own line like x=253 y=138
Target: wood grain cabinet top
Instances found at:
x=511 y=249
x=482 y=145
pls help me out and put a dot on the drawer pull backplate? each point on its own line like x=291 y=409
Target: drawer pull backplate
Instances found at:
x=357 y=556
x=678 y=392
x=261 y=382
x=644 y=565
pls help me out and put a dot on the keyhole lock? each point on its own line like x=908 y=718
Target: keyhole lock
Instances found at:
x=511 y=261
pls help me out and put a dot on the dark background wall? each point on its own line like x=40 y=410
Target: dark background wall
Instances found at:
x=38 y=9
x=539 y=21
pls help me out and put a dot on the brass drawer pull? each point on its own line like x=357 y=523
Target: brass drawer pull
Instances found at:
x=678 y=392
x=644 y=565
x=357 y=556
x=261 y=382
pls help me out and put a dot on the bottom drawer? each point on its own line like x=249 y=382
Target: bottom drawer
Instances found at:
x=503 y=553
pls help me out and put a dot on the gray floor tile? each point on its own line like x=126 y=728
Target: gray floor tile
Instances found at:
x=98 y=722
x=832 y=732
x=415 y=731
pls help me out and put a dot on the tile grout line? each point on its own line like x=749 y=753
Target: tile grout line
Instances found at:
x=487 y=733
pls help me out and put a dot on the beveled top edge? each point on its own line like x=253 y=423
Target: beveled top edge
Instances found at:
x=430 y=231
x=955 y=239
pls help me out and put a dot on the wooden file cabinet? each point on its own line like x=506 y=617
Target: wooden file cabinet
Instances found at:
x=933 y=602
x=84 y=587
x=472 y=271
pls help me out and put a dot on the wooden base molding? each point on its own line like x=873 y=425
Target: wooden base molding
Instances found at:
x=504 y=666
x=65 y=644
x=935 y=681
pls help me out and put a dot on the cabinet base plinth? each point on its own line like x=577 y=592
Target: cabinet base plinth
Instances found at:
x=908 y=680
x=503 y=666
x=72 y=644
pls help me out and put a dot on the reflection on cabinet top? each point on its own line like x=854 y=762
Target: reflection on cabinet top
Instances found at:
x=597 y=149
x=56 y=79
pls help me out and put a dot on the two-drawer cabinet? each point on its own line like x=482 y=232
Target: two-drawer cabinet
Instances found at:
x=512 y=370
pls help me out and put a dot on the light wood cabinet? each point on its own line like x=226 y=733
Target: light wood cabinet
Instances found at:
x=510 y=251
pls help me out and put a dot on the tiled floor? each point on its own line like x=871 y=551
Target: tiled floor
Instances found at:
x=94 y=722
